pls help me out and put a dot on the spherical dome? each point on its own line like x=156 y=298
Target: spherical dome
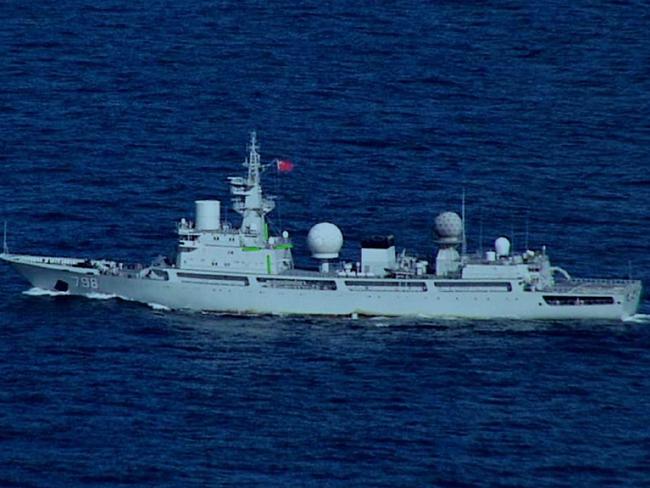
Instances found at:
x=325 y=241
x=449 y=225
x=502 y=246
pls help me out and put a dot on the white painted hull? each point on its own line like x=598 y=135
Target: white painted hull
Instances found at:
x=431 y=301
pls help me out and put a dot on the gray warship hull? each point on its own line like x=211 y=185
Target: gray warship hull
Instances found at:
x=314 y=293
x=220 y=267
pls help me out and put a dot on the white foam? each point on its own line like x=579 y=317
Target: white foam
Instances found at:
x=381 y=324
x=639 y=318
x=40 y=292
x=100 y=296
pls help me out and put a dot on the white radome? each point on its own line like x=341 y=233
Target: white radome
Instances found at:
x=502 y=246
x=449 y=224
x=325 y=241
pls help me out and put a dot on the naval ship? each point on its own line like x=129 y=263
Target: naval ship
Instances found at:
x=248 y=269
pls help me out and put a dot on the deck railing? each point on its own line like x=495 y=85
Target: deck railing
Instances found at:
x=599 y=281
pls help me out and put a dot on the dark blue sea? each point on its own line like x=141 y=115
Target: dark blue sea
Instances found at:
x=115 y=116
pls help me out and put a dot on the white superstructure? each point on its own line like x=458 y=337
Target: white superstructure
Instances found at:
x=249 y=269
x=210 y=244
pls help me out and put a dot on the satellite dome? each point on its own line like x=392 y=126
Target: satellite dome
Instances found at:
x=325 y=241
x=502 y=246
x=449 y=225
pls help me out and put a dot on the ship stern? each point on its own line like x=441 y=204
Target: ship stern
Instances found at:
x=631 y=299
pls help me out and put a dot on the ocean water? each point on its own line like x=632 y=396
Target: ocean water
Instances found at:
x=115 y=116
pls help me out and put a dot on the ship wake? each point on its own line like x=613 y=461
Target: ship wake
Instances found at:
x=40 y=292
x=639 y=318
x=101 y=296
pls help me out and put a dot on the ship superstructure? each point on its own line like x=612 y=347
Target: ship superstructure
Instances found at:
x=210 y=244
x=248 y=269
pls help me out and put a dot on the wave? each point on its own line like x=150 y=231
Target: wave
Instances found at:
x=158 y=306
x=382 y=324
x=101 y=296
x=639 y=318
x=40 y=292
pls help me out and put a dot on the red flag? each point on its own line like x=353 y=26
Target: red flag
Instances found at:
x=283 y=165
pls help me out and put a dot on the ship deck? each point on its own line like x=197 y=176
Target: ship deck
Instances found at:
x=575 y=286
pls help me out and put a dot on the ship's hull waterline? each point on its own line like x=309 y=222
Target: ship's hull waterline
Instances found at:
x=344 y=296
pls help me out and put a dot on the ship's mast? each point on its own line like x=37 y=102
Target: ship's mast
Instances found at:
x=249 y=199
x=253 y=161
